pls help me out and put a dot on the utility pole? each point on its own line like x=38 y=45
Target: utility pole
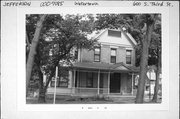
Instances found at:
x=56 y=76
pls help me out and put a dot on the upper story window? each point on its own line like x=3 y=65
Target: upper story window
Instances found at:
x=113 y=55
x=128 y=56
x=97 y=52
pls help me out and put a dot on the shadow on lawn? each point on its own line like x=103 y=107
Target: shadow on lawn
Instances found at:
x=65 y=99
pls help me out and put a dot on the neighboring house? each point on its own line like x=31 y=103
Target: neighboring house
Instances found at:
x=150 y=83
x=108 y=69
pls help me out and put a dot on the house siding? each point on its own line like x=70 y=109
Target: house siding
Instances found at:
x=113 y=39
x=105 y=54
x=121 y=55
x=126 y=83
x=133 y=58
x=87 y=55
x=107 y=42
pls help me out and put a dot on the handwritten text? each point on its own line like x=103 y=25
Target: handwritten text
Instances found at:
x=153 y=4
x=86 y=3
x=14 y=4
x=51 y=4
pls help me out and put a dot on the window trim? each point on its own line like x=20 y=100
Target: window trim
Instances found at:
x=129 y=56
x=99 y=55
x=111 y=56
x=114 y=33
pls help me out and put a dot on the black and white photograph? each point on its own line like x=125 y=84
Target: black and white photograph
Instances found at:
x=89 y=59
x=93 y=58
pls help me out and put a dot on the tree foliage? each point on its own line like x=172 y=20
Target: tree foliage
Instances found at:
x=59 y=37
x=146 y=29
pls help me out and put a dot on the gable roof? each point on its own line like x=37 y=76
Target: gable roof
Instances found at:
x=129 y=37
x=126 y=34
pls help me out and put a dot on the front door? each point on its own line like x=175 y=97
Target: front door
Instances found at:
x=115 y=82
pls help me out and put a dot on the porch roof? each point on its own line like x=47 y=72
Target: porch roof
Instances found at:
x=105 y=66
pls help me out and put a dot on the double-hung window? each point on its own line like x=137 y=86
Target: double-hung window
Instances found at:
x=128 y=56
x=113 y=55
x=97 y=52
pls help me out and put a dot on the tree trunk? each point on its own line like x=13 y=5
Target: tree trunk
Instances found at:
x=32 y=51
x=42 y=96
x=144 y=62
x=143 y=71
x=156 y=89
x=42 y=89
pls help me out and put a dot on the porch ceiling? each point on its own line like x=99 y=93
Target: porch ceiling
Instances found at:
x=105 y=66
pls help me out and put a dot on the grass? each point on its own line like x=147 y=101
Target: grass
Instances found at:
x=65 y=99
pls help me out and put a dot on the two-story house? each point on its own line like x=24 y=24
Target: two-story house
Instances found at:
x=107 y=69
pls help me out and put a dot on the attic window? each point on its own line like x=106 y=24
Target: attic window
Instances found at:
x=114 y=33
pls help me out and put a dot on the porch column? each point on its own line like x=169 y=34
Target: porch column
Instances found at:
x=78 y=80
x=74 y=80
x=98 y=80
x=70 y=85
x=78 y=88
x=132 y=84
x=108 y=82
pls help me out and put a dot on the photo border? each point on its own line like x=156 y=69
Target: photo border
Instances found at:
x=21 y=97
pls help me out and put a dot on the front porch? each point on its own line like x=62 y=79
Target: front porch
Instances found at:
x=101 y=79
x=87 y=82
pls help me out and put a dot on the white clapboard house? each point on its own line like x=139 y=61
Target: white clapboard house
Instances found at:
x=107 y=69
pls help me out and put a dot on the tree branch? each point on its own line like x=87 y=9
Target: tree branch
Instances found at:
x=59 y=58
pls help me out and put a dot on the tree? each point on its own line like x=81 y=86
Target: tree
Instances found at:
x=141 y=26
x=32 y=52
x=60 y=35
x=156 y=48
x=148 y=21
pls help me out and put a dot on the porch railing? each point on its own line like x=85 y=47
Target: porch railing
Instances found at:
x=83 y=90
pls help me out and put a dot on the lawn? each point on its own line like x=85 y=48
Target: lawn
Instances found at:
x=67 y=99
x=64 y=99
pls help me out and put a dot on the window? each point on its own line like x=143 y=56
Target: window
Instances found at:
x=97 y=51
x=113 y=55
x=61 y=82
x=128 y=56
x=89 y=82
x=114 y=33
